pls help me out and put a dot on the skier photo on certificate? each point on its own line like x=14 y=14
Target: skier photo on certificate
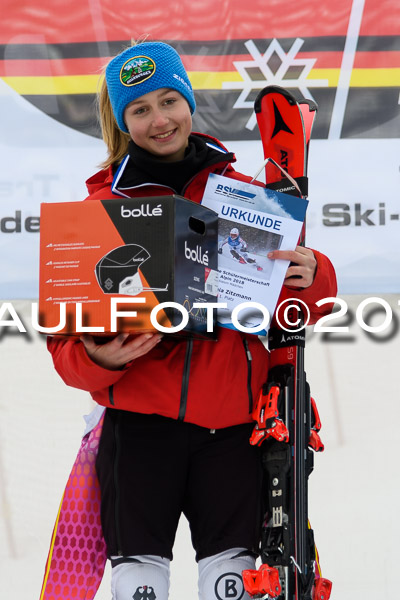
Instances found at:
x=175 y=412
x=238 y=249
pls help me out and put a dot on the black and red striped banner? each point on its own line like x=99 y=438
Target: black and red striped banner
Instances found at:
x=53 y=54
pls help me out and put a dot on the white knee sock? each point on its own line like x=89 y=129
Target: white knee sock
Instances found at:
x=220 y=576
x=140 y=578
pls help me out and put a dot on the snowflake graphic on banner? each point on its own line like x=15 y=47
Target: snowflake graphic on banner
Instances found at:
x=263 y=63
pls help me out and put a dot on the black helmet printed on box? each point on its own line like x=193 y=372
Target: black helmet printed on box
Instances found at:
x=118 y=271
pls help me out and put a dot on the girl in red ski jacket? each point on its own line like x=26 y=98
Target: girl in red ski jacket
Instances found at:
x=178 y=411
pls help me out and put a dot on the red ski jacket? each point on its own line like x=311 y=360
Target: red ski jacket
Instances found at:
x=208 y=383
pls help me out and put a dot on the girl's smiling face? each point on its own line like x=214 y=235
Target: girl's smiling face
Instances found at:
x=160 y=122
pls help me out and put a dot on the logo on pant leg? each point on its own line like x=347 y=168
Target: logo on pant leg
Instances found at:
x=144 y=592
x=229 y=587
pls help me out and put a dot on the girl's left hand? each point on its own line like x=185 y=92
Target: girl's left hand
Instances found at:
x=301 y=271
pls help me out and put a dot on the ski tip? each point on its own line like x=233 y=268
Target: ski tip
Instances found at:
x=312 y=105
x=272 y=89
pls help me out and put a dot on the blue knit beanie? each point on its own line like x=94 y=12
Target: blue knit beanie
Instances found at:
x=145 y=68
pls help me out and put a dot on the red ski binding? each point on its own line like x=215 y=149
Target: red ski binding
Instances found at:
x=266 y=416
x=322 y=589
x=315 y=441
x=262 y=582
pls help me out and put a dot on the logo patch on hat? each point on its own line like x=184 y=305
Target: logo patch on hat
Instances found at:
x=136 y=70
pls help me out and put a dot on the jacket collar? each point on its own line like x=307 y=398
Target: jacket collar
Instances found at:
x=136 y=168
x=107 y=178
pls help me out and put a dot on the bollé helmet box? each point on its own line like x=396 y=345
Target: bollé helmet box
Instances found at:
x=104 y=258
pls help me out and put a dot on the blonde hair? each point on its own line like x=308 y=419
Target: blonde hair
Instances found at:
x=116 y=140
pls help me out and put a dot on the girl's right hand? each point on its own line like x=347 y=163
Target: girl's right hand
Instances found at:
x=120 y=350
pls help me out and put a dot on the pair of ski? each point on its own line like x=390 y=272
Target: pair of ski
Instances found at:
x=287 y=421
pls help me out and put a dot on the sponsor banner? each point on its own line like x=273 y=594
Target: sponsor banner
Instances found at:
x=42 y=161
x=345 y=56
x=350 y=45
